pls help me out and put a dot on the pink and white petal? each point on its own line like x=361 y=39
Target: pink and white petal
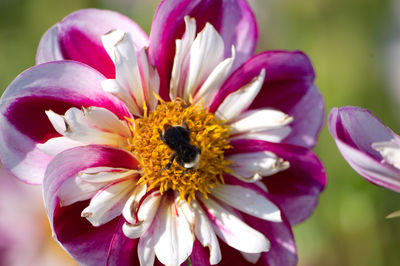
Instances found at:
x=145 y=215
x=78 y=37
x=355 y=130
x=206 y=53
x=248 y=201
x=252 y=166
x=288 y=87
x=68 y=164
x=259 y=120
x=75 y=189
x=108 y=202
x=276 y=135
x=173 y=237
x=390 y=151
x=168 y=25
x=233 y=231
x=106 y=174
x=205 y=234
x=295 y=190
x=55 y=86
x=238 y=101
x=57 y=145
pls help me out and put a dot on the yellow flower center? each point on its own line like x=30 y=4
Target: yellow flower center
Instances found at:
x=206 y=132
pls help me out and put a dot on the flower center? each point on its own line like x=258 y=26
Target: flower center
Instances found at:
x=208 y=136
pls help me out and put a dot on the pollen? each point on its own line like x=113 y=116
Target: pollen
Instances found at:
x=207 y=132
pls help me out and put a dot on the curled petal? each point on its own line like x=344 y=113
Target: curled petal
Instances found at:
x=55 y=86
x=355 y=130
x=168 y=26
x=78 y=38
x=145 y=215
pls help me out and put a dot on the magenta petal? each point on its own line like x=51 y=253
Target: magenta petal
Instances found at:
x=354 y=130
x=288 y=87
x=233 y=19
x=200 y=255
x=55 y=86
x=78 y=38
x=87 y=244
x=295 y=190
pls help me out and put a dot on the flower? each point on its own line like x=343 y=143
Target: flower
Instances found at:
x=92 y=122
x=371 y=148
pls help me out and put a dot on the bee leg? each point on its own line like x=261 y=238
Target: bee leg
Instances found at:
x=171 y=161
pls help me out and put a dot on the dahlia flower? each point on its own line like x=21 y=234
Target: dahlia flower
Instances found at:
x=182 y=146
x=371 y=148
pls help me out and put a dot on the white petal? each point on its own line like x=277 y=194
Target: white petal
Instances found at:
x=214 y=81
x=108 y=202
x=150 y=79
x=105 y=174
x=57 y=121
x=259 y=120
x=146 y=213
x=251 y=257
x=248 y=201
x=390 y=151
x=181 y=59
x=130 y=208
x=239 y=100
x=234 y=231
x=111 y=39
x=254 y=165
x=173 y=237
x=206 y=53
x=75 y=189
x=205 y=234
x=112 y=86
x=146 y=252
x=93 y=125
x=57 y=145
x=275 y=135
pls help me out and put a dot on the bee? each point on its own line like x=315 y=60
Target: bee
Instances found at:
x=177 y=138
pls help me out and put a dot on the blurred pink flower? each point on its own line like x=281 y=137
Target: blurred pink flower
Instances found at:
x=152 y=147
x=371 y=148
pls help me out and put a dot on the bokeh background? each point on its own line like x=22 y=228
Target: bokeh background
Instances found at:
x=355 y=48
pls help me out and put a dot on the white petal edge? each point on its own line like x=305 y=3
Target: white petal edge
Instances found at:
x=251 y=257
x=146 y=251
x=105 y=174
x=234 y=231
x=248 y=201
x=275 y=135
x=237 y=101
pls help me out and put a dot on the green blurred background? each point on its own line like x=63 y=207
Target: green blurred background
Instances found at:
x=350 y=43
